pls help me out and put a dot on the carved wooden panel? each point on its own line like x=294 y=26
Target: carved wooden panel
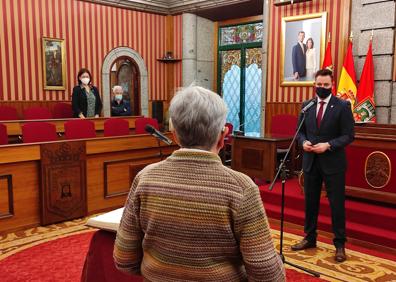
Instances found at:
x=63 y=193
x=6 y=197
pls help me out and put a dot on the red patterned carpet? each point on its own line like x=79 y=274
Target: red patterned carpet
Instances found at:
x=63 y=259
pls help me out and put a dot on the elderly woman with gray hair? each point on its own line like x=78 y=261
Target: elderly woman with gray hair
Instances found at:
x=189 y=218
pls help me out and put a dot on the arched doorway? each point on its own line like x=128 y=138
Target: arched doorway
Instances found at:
x=125 y=65
x=125 y=73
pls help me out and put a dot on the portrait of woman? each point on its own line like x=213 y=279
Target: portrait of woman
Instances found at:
x=311 y=64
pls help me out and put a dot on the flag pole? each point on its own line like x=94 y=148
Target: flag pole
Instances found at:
x=372 y=35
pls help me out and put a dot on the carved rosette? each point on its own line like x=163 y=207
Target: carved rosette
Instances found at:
x=377 y=170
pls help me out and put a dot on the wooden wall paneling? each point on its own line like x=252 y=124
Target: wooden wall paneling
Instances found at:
x=96 y=171
x=6 y=198
x=117 y=174
x=25 y=189
x=19 y=153
x=14 y=128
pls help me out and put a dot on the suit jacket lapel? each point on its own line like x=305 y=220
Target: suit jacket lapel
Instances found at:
x=329 y=111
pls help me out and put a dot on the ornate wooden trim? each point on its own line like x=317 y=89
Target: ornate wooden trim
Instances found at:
x=10 y=213
x=372 y=195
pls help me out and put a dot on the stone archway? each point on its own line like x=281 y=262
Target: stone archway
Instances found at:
x=108 y=62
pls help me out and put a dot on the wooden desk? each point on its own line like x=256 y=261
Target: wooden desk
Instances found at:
x=108 y=162
x=14 y=127
x=257 y=156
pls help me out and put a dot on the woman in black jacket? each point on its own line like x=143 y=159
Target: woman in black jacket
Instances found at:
x=86 y=100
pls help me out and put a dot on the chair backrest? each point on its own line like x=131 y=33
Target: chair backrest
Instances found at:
x=284 y=125
x=33 y=132
x=228 y=137
x=79 y=129
x=3 y=134
x=116 y=127
x=8 y=113
x=63 y=110
x=140 y=124
x=37 y=113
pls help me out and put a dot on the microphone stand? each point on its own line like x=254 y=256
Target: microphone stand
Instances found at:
x=283 y=174
x=160 y=149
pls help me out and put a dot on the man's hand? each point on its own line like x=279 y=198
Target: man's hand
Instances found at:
x=296 y=76
x=307 y=146
x=320 y=148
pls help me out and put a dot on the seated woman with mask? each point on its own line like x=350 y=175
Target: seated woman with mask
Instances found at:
x=119 y=107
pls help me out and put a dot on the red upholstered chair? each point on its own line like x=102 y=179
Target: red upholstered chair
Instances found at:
x=3 y=134
x=33 y=132
x=140 y=124
x=80 y=129
x=63 y=110
x=284 y=125
x=281 y=126
x=116 y=127
x=8 y=113
x=37 y=113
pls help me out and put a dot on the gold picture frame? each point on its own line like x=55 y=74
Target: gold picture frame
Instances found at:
x=54 y=63
x=292 y=60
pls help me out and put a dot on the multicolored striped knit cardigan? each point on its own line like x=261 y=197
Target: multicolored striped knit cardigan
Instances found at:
x=189 y=218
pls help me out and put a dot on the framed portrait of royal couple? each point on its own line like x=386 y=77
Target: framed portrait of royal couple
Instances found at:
x=302 y=48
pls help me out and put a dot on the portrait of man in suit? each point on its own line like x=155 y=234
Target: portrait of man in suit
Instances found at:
x=299 y=58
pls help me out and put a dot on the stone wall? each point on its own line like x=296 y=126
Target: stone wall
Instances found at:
x=198 y=51
x=377 y=15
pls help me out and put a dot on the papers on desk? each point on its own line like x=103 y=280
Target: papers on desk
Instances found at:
x=108 y=221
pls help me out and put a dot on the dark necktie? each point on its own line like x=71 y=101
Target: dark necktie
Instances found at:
x=320 y=113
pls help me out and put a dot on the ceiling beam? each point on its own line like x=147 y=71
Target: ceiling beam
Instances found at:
x=169 y=7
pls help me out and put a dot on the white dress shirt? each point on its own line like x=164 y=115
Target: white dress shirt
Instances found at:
x=302 y=47
x=327 y=100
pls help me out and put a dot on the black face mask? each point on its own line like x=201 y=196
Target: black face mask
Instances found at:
x=323 y=93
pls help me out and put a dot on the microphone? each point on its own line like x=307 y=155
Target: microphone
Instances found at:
x=151 y=130
x=308 y=106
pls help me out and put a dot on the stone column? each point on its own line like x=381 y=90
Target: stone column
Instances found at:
x=189 y=49
x=205 y=54
x=198 y=53
x=379 y=16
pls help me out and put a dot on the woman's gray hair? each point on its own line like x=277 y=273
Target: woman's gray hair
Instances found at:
x=198 y=115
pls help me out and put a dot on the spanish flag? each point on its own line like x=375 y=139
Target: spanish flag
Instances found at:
x=347 y=85
x=365 y=108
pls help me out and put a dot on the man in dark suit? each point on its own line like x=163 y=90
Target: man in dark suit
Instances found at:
x=328 y=128
x=298 y=57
